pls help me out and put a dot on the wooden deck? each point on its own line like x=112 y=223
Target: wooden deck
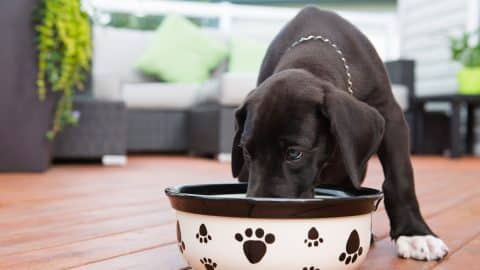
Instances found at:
x=91 y=217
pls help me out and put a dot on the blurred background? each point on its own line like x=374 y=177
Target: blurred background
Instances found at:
x=150 y=86
x=166 y=76
x=105 y=103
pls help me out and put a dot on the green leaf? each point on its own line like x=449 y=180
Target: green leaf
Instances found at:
x=464 y=53
x=470 y=57
x=63 y=40
x=50 y=135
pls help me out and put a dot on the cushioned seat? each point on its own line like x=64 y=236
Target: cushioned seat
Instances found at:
x=235 y=87
x=114 y=56
x=115 y=78
x=175 y=96
x=400 y=92
x=157 y=111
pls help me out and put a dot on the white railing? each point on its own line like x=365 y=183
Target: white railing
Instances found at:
x=381 y=28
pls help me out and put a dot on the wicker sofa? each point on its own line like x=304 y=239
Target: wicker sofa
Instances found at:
x=157 y=111
x=195 y=118
x=100 y=134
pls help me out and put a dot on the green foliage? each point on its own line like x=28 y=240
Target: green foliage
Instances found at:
x=124 y=20
x=64 y=53
x=150 y=22
x=465 y=53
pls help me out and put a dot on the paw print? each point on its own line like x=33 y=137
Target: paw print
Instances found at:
x=313 y=239
x=254 y=250
x=181 y=244
x=208 y=263
x=203 y=235
x=353 y=249
x=310 y=268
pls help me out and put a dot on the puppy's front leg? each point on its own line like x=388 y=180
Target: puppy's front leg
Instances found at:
x=414 y=239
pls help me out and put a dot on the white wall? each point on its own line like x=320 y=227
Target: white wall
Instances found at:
x=425 y=27
x=379 y=27
x=261 y=22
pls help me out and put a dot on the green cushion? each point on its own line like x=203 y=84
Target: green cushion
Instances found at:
x=246 y=55
x=181 y=52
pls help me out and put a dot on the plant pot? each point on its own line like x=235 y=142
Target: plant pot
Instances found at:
x=469 y=81
x=24 y=119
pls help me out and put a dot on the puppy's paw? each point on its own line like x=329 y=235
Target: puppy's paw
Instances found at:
x=424 y=247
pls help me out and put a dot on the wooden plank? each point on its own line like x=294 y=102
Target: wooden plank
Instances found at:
x=432 y=187
x=154 y=259
x=95 y=181
x=385 y=249
x=455 y=226
x=73 y=212
x=427 y=180
x=164 y=258
x=433 y=202
x=91 y=216
x=89 y=251
x=465 y=258
x=75 y=204
x=16 y=227
x=60 y=236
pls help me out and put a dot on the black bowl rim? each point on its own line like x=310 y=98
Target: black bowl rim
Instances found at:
x=347 y=202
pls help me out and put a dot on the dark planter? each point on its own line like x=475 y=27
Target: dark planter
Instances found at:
x=24 y=119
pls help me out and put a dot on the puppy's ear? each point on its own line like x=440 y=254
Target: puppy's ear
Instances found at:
x=357 y=128
x=237 y=152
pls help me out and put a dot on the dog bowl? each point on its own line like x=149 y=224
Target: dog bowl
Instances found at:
x=219 y=228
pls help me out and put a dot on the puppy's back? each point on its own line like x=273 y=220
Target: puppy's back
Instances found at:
x=366 y=67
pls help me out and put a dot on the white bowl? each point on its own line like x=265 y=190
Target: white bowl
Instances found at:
x=219 y=228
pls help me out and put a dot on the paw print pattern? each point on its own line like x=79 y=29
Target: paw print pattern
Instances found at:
x=181 y=244
x=254 y=250
x=353 y=249
x=313 y=238
x=310 y=268
x=203 y=235
x=208 y=263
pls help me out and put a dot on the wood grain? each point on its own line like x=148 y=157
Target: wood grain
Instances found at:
x=467 y=255
x=456 y=226
x=91 y=217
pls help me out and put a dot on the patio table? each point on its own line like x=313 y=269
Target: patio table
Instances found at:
x=457 y=102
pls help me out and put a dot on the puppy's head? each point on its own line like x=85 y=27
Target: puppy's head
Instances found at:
x=291 y=125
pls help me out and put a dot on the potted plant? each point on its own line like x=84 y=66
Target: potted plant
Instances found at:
x=466 y=50
x=64 y=52
x=43 y=60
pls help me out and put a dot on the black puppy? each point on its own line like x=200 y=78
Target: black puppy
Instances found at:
x=304 y=125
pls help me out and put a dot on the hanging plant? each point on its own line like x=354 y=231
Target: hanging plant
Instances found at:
x=64 y=53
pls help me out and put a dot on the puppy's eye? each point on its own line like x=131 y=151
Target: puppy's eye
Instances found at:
x=294 y=154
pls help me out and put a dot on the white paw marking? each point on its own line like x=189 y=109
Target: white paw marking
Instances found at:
x=425 y=247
